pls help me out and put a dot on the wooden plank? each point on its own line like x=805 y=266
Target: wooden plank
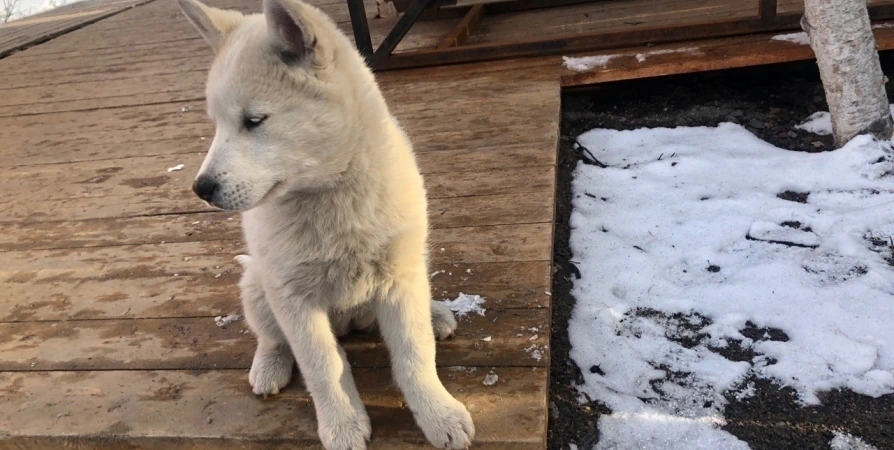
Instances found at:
x=613 y=15
x=712 y=54
x=215 y=410
x=191 y=222
x=104 y=190
x=518 y=338
x=462 y=31
x=17 y=36
x=156 y=282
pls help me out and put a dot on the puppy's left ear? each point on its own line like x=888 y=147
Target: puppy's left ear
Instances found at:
x=289 y=30
x=214 y=24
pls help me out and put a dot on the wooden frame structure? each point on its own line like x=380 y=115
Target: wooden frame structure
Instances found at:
x=452 y=49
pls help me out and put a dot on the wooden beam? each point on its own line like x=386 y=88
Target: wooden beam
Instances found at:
x=462 y=31
x=581 y=42
x=768 y=11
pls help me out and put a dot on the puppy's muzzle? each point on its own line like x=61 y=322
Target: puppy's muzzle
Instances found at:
x=205 y=187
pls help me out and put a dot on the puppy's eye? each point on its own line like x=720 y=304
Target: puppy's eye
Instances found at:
x=252 y=122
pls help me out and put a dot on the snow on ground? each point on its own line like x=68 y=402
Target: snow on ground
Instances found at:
x=695 y=242
x=800 y=38
x=844 y=441
x=465 y=304
x=223 y=321
x=25 y=8
x=585 y=63
x=820 y=123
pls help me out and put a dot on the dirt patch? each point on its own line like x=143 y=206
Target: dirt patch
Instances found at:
x=771 y=419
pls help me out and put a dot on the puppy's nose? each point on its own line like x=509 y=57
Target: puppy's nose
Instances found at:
x=205 y=187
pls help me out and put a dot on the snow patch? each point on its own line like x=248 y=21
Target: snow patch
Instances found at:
x=176 y=168
x=223 y=321
x=587 y=63
x=845 y=441
x=465 y=304
x=800 y=38
x=657 y=431
x=689 y=248
x=642 y=57
x=820 y=123
x=491 y=379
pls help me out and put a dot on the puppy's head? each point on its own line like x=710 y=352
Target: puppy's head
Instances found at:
x=280 y=108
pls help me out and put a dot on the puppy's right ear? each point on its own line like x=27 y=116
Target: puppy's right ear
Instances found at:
x=214 y=24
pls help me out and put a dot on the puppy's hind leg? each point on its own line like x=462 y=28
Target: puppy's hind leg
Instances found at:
x=271 y=369
x=442 y=320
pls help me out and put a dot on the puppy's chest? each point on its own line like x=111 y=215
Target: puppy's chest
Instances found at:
x=345 y=259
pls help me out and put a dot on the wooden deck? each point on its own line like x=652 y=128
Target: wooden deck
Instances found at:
x=113 y=272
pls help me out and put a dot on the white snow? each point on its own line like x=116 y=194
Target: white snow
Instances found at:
x=25 y=8
x=176 y=168
x=820 y=123
x=692 y=245
x=648 y=430
x=800 y=38
x=585 y=63
x=491 y=379
x=223 y=321
x=844 y=441
x=642 y=57
x=465 y=304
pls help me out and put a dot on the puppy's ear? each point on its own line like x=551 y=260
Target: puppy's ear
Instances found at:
x=214 y=24
x=289 y=31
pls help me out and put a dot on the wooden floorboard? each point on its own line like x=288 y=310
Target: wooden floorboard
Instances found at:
x=113 y=271
x=700 y=56
x=20 y=34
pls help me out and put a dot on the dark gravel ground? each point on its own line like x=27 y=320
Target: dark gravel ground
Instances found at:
x=768 y=101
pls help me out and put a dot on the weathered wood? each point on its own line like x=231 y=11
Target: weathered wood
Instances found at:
x=150 y=282
x=18 y=35
x=712 y=54
x=195 y=223
x=131 y=177
x=462 y=31
x=199 y=344
x=204 y=225
x=215 y=410
x=93 y=121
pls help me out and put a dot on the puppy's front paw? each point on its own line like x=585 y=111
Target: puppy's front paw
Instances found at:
x=350 y=433
x=271 y=370
x=447 y=425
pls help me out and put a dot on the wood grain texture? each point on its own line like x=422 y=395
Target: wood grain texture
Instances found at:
x=215 y=409
x=113 y=271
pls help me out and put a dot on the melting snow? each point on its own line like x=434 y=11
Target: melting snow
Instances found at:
x=800 y=38
x=176 y=168
x=465 y=304
x=820 y=123
x=642 y=57
x=844 y=441
x=223 y=321
x=693 y=251
x=585 y=63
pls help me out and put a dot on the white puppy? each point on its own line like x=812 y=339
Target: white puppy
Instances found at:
x=334 y=214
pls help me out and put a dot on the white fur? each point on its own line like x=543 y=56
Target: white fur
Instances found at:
x=334 y=215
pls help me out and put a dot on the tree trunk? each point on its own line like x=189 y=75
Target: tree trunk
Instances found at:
x=841 y=36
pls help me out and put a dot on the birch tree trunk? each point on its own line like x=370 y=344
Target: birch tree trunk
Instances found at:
x=841 y=36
